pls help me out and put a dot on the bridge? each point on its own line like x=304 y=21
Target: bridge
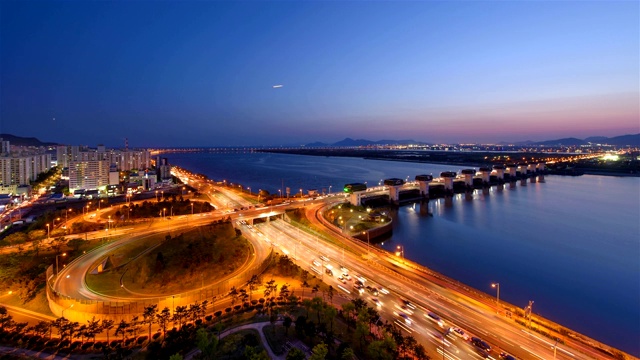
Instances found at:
x=449 y=183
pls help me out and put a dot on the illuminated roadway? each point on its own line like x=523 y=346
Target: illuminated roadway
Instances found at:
x=405 y=281
x=457 y=307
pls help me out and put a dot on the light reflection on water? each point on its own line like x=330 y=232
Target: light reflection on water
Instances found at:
x=571 y=244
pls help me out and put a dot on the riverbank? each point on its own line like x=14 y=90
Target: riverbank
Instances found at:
x=478 y=159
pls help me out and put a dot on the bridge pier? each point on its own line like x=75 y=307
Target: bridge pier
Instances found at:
x=511 y=169
x=394 y=185
x=355 y=198
x=468 y=177
x=485 y=172
x=423 y=181
x=448 y=177
x=499 y=169
x=540 y=167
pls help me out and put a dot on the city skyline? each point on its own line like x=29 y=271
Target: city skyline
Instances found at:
x=210 y=73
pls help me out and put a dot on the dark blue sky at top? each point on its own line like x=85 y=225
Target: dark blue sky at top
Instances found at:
x=202 y=73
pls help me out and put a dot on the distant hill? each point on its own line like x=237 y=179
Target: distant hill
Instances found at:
x=349 y=142
x=623 y=140
x=564 y=141
x=25 y=141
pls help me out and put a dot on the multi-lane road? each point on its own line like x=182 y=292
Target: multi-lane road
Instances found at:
x=421 y=304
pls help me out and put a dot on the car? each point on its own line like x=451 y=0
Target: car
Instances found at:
x=316 y=262
x=382 y=290
x=344 y=269
x=481 y=344
x=358 y=288
x=328 y=272
x=506 y=356
x=324 y=258
x=407 y=319
x=377 y=302
x=373 y=291
x=408 y=304
x=459 y=333
x=346 y=276
x=342 y=280
x=435 y=318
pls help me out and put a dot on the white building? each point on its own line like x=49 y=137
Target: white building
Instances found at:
x=21 y=170
x=88 y=174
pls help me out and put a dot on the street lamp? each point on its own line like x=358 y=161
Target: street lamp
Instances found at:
x=63 y=254
x=300 y=193
x=62 y=315
x=248 y=188
x=47 y=231
x=54 y=222
x=329 y=190
x=164 y=212
x=192 y=209
x=156 y=195
x=368 y=243
x=400 y=251
x=497 y=286
x=66 y=216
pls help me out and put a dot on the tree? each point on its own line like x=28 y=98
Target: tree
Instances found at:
x=253 y=283
x=82 y=331
x=287 y=323
x=122 y=328
x=163 y=319
x=330 y=293
x=60 y=324
x=319 y=352
x=348 y=354
x=179 y=315
x=347 y=309
x=149 y=316
x=317 y=304
x=42 y=327
x=207 y=344
x=107 y=325
x=176 y=357
x=296 y=354
x=235 y=295
x=93 y=328
x=330 y=313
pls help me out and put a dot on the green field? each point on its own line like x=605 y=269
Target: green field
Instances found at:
x=180 y=263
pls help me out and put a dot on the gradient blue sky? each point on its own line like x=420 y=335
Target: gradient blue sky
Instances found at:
x=181 y=73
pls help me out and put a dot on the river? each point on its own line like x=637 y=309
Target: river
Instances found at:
x=570 y=244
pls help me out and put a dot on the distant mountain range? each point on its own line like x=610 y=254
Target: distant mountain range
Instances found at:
x=24 y=141
x=623 y=140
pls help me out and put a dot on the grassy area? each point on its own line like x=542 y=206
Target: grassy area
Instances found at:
x=23 y=273
x=276 y=337
x=178 y=264
x=189 y=260
x=39 y=303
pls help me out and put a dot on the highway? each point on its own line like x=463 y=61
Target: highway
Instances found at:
x=407 y=293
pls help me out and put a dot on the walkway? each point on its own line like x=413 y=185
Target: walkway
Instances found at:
x=257 y=326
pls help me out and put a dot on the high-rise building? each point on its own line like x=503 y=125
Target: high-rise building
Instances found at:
x=21 y=170
x=89 y=174
x=5 y=147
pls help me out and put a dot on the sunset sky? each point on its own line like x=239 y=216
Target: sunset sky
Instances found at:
x=199 y=73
